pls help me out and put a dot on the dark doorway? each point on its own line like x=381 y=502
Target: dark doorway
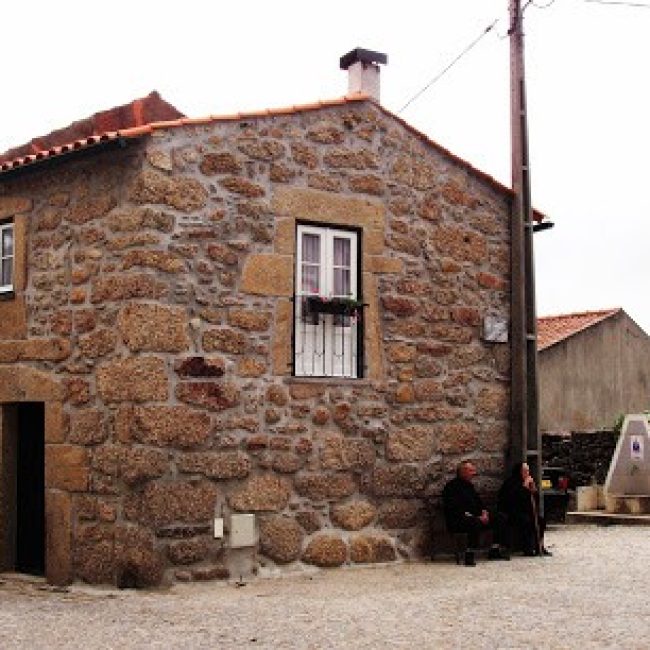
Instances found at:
x=30 y=488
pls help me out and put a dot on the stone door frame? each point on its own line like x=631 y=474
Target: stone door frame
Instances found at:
x=19 y=383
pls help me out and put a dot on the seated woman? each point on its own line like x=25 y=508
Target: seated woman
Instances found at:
x=519 y=502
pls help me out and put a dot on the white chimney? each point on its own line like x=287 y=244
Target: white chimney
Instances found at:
x=363 y=71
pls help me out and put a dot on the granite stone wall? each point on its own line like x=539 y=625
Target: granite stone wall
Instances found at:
x=157 y=297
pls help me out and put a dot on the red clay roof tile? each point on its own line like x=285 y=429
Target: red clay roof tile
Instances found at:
x=232 y=117
x=286 y=110
x=553 y=329
x=263 y=112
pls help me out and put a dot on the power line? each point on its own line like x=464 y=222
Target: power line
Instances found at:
x=534 y=4
x=546 y=6
x=637 y=5
x=451 y=65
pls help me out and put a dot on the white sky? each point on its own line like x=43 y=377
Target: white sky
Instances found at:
x=588 y=97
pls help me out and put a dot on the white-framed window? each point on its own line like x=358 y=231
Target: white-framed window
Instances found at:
x=328 y=311
x=6 y=257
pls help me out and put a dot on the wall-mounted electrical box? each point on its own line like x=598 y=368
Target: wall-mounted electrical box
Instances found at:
x=218 y=527
x=242 y=531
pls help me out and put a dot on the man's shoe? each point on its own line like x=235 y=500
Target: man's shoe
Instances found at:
x=469 y=558
x=495 y=553
x=546 y=552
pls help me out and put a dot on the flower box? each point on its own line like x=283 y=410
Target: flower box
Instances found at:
x=341 y=306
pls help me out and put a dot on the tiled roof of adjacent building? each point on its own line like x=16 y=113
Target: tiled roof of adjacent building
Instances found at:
x=553 y=329
x=144 y=116
x=100 y=127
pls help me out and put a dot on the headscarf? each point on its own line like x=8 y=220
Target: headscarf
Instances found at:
x=510 y=495
x=515 y=472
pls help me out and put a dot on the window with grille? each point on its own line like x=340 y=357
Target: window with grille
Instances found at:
x=328 y=309
x=6 y=257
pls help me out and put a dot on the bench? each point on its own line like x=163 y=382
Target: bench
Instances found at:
x=443 y=542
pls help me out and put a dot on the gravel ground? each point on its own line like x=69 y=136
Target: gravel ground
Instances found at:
x=593 y=593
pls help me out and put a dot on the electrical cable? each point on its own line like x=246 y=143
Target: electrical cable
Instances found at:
x=475 y=42
x=621 y=3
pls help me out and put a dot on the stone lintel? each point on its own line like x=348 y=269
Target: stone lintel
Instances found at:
x=20 y=383
x=12 y=205
x=326 y=207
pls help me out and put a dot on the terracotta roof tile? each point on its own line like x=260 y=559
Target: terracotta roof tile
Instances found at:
x=191 y=121
x=136 y=131
x=553 y=329
x=286 y=110
x=231 y=117
x=139 y=129
x=151 y=108
x=263 y=112
x=53 y=152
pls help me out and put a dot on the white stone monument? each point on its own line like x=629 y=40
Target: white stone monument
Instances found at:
x=627 y=488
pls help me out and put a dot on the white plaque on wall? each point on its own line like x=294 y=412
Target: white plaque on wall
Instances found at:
x=495 y=329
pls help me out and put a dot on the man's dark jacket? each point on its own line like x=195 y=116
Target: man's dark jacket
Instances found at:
x=459 y=497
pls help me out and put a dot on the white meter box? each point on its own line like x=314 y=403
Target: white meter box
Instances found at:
x=242 y=531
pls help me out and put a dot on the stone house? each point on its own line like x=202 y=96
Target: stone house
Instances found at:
x=243 y=342
x=593 y=367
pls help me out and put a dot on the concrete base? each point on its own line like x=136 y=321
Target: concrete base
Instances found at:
x=603 y=518
x=586 y=498
x=633 y=504
x=590 y=497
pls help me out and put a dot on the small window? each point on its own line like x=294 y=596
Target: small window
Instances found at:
x=328 y=309
x=6 y=257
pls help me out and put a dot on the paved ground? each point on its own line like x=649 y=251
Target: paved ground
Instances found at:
x=593 y=593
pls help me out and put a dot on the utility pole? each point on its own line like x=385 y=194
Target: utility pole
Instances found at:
x=525 y=440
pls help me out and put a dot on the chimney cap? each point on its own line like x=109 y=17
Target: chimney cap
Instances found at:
x=363 y=56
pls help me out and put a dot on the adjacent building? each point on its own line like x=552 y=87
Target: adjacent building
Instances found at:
x=593 y=367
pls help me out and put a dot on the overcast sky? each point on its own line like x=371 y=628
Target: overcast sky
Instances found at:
x=589 y=103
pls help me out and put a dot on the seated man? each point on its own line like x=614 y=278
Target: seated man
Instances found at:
x=464 y=513
x=519 y=502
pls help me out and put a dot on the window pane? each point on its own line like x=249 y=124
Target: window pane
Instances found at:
x=342 y=282
x=310 y=279
x=310 y=248
x=341 y=251
x=7 y=242
x=6 y=273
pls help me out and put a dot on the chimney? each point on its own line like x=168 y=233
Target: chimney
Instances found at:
x=363 y=71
